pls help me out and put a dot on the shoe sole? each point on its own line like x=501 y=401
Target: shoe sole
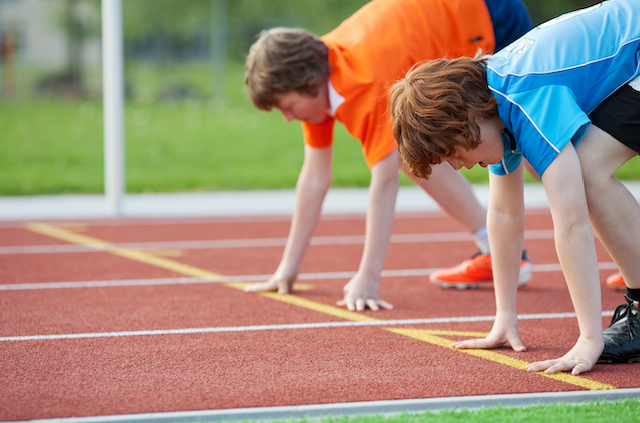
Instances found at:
x=461 y=286
x=617 y=287
x=627 y=361
x=457 y=285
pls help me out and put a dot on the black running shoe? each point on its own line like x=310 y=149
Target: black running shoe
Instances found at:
x=622 y=337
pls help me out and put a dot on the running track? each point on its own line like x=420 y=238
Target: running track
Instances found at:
x=129 y=316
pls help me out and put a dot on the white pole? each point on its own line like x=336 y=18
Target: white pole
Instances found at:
x=113 y=102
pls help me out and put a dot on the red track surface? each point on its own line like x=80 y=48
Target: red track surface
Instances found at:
x=198 y=370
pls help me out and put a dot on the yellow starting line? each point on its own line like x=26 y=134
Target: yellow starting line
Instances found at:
x=425 y=335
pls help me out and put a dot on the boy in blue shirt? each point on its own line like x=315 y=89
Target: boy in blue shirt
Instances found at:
x=565 y=96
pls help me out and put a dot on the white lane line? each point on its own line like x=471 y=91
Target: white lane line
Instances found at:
x=255 y=243
x=552 y=267
x=161 y=221
x=98 y=284
x=396 y=322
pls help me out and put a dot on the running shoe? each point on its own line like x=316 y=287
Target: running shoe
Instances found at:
x=470 y=273
x=616 y=282
x=622 y=337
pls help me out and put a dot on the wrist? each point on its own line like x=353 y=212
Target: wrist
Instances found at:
x=287 y=272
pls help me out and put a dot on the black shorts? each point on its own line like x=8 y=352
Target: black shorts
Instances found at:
x=619 y=116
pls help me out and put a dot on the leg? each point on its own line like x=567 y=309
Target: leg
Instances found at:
x=454 y=194
x=614 y=212
x=614 y=215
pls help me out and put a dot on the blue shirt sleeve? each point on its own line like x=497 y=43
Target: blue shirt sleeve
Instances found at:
x=543 y=120
x=510 y=160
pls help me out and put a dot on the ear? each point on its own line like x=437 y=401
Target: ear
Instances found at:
x=473 y=117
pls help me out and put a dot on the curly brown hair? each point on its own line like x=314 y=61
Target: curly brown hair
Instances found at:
x=284 y=60
x=435 y=109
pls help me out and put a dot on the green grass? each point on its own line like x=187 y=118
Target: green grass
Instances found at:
x=51 y=146
x=593 y=412
x=55 y=147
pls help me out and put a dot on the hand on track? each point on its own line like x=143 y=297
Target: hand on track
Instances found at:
x=505 y=329
x=581 y=358
x=361 y=293
x=275 y=283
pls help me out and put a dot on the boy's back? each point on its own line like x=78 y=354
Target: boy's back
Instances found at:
x=385 y=38
x=570 y=79
x=377 y=45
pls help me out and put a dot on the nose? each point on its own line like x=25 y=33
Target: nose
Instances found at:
x=288 y=117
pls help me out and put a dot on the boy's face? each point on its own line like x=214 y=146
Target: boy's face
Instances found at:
x=489 y=151
x=304 y=107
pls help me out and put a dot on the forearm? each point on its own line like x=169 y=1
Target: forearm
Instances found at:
x=313 y=183
x=363 y=289
x=505 y=226
x=381 y=209
x=506 y=239
x=309 y=198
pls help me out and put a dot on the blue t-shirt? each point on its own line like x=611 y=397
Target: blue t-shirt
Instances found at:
x=549 y=80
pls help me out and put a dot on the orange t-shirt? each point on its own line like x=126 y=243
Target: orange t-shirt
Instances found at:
x=377 y=45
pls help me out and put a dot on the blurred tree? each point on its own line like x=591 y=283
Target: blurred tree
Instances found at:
x=168 y=31
x=249 y=17
x=165 y=28
x=79 y=19
x=8 y=46
x=544 y=10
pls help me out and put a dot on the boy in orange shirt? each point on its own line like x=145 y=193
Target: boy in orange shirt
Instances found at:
x=345 y=76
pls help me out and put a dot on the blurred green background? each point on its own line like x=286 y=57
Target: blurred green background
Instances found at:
x=189 y=125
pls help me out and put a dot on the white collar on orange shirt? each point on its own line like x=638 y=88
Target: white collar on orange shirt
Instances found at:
x=335 y=99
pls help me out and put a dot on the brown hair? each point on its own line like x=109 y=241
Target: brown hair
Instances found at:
x=435 y=109
x=284 y=60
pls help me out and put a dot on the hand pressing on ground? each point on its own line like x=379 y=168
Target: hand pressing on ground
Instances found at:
x=581 y=358
x=361 y=292
x=504 y=330
x=281 y=284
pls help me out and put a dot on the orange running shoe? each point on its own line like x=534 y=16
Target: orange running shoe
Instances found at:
x=616 y=282
x=476 y=270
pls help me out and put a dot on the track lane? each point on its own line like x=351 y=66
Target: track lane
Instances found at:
x=416 y=299
x=145 y=257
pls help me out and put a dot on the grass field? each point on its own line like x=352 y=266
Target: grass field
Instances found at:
x=55 y=146
x=592 y=412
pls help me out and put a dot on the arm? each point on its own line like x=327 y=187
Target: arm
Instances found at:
x=577 y=254
x=505 y=225
x=364 y=288
x=313 y=183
